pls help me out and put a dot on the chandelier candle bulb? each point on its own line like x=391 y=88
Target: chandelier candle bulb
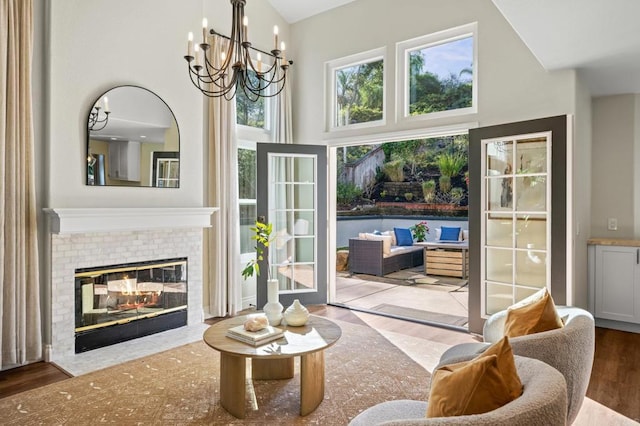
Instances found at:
x=196 y=54
x=283 y=48
x=204 y=30
x=275 y=37
x=259 y=62
x=245 y=25
x=190 y=44
x=106 y=104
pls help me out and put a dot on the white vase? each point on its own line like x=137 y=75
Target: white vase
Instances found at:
x=296 y=314
x=273 y=308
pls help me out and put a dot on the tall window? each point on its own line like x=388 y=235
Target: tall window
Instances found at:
x=356 y=85
x=251 y=113
x=437 y=74
x=247 y=194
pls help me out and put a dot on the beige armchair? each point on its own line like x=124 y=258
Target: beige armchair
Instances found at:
x=543 y=402
x=569 y=349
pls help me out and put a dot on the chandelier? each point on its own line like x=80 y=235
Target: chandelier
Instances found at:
x=237 y=69
x=95 y=123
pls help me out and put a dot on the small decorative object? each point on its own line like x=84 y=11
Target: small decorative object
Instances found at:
x=256 y=322
x=273 y=308
x=255 y=338
x=420 y=231
x=296 y=314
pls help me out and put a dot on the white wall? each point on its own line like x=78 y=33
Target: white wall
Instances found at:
x=513 y=86
x=97 y=44
x=615 y=125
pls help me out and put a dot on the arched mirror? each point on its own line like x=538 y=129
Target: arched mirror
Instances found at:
x=132 y=140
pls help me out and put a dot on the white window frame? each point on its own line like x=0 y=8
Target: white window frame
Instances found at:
x=330 y=85
x=403 y=49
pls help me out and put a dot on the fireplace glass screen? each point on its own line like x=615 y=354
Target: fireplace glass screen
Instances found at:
x=115 y=295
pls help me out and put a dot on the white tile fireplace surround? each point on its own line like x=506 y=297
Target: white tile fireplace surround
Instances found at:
x=90 y=237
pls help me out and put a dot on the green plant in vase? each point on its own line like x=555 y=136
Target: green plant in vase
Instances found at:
x=262 y=235
x=408 y=196
x=420 y=231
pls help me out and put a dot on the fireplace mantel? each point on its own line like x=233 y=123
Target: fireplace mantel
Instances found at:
x=88 y=220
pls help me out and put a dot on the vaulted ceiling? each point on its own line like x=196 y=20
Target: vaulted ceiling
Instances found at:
x=599 y=38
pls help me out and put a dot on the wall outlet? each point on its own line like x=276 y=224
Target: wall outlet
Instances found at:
x=612 y=224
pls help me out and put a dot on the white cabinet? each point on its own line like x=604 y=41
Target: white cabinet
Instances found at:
x=616 y=287
x=124 y=160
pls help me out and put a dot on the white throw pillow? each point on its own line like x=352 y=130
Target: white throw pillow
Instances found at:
x=392 y=235
x=386 y=242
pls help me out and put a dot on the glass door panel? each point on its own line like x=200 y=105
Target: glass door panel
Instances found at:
x=289 y=196
x=516 y=220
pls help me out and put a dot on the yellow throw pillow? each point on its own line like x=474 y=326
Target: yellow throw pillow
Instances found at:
x=534 y=314
x=465 y=388
x=506 y=365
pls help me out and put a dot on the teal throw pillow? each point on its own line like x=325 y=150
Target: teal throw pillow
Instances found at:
x=449 y=233
x=403 y=236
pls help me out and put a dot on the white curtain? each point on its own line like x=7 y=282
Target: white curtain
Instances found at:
x=222 y=248
x=21 y=334
x=283 y=131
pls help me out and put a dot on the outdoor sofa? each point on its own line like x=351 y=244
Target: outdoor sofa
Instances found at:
x=378 y=255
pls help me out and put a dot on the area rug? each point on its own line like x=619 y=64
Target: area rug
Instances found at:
x=181 y=387
x=401 y=311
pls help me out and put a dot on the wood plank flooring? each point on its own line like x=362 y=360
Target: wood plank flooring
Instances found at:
x=615 y=380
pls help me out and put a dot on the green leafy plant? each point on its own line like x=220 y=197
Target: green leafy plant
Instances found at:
x=451 y=164
x=262 y=236
x=445 y=183
x=347 y=193
x=383 y=193
x=394 y=170
x=457 y=194
x=428 y=190
x=408 y=196
x=420 y=231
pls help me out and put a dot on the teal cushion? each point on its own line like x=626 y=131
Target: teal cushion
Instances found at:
x=449 y=233
x=403 y=237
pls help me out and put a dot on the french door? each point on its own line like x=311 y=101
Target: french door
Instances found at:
x=292 y=196
x=517 y=214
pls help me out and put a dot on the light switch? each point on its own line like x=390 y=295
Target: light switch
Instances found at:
x=612 y=224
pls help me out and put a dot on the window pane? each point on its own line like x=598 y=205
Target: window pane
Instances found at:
x=246 y=174
x=247 y=220
x=441 y=77
x=250 y=111
x=359 y=93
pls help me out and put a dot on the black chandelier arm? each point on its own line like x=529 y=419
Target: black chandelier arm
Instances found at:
x=205 y=86
x=94 y=119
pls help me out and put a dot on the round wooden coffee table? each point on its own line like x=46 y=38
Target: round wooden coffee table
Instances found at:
x=273 y=360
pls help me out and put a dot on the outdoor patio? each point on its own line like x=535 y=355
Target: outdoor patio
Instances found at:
x=408 y=293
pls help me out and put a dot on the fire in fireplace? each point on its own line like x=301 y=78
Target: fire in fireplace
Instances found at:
x=123 y=302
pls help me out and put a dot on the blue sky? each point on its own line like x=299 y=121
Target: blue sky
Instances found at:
x=447 y=58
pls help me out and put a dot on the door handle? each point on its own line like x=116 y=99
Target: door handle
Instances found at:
x=638 y=256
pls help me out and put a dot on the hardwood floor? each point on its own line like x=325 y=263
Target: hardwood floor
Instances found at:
x=615 y=379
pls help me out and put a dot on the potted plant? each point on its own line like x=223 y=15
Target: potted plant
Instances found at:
x=420 y=231
x=262 y=234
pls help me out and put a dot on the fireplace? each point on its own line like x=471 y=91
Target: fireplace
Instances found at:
x=83 y=238
x=123 y=302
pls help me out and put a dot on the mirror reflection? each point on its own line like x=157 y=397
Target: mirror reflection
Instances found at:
x=132 y=140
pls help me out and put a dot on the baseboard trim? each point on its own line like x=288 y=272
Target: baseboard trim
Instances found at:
x=618 y=325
